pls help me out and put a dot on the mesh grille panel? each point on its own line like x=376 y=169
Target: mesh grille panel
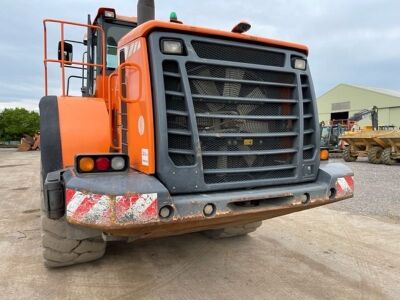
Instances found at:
x=177 y=122
x=263 y=109
x=238 y=144
x=239 y=73
x=239 y=177
x=248 y=161
x=308 y=139
x=211 y=125
x=176 y=103
x=221 y=93
x=244 y=90
x=308 y=154
x=179 y=142
x=238 y=54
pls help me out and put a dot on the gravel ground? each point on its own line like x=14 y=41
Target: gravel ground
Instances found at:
x=316 y=254
x=377 y=191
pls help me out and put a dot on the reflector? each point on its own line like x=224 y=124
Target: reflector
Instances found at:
x=118 y=163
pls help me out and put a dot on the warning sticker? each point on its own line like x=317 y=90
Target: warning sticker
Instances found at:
x=145 y=157
x=248 y=142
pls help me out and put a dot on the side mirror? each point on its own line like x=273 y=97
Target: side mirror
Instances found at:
x=67 y=56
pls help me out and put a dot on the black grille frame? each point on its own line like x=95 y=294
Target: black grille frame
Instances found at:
x=277 y=155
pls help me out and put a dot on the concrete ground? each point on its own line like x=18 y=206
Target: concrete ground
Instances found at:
x=349 y=252
x=377 y=191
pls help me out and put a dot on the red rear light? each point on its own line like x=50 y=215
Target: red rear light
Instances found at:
x=102 y=164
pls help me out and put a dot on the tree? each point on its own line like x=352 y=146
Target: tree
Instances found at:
x=14 y=122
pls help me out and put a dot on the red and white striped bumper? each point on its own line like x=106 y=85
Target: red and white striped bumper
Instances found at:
x=105 y=210
x=130 y=203
x=345 y=187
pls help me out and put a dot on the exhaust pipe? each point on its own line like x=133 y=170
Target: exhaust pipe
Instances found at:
x=145 y=11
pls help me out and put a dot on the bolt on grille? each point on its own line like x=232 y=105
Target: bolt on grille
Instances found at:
x=247 y=120
x=230 y=115
x=238 y=54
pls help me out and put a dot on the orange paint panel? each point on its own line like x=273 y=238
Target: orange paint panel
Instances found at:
x=99 y=87
x=140 y=114
x=84 y=127
x=145 y=28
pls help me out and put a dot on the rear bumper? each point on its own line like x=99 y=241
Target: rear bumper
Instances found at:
x=129 y=204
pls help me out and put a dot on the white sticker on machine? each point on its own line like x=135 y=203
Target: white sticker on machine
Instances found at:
x=145 y=157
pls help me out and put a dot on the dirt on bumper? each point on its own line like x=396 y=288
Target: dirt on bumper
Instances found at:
x=127 y=213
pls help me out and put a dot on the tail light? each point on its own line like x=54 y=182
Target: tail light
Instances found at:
x=101 y=163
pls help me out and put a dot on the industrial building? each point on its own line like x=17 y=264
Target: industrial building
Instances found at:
x=344 y=100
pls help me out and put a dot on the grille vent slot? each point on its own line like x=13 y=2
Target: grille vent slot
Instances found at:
x=308 y=118
x=180 y=145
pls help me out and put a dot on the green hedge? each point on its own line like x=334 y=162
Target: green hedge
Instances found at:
x=14 y=122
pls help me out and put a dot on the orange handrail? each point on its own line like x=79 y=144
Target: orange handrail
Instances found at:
x=110 y=98
x=129 y=65
x=62 y=61
x=119 y=98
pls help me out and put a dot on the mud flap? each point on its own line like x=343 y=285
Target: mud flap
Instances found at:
x=53 y=195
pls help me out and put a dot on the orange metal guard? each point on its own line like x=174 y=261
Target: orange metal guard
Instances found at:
x=62 y=61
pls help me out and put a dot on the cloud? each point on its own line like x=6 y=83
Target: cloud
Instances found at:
x=22 y=103
x=350 y=41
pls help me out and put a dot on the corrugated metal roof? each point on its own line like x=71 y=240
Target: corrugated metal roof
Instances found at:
x=391 y=93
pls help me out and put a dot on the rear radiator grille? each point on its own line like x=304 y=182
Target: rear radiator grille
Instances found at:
x=247 y=121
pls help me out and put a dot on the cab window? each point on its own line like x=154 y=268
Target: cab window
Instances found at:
x=111 y=59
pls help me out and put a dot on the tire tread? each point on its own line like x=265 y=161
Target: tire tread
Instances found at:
x=386 y=157
x=60 y=251
x=375 y=155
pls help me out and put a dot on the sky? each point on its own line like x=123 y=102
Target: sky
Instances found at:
x=354 y=42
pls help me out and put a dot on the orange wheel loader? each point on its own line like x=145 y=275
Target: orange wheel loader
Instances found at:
x=178 y=129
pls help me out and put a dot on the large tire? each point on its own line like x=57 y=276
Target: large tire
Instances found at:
x=347 y=155
x=232 y=231
x=375 y=155
x=386 y=157
x=60 y=251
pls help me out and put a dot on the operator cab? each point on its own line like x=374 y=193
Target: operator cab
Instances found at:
x=115 y=27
